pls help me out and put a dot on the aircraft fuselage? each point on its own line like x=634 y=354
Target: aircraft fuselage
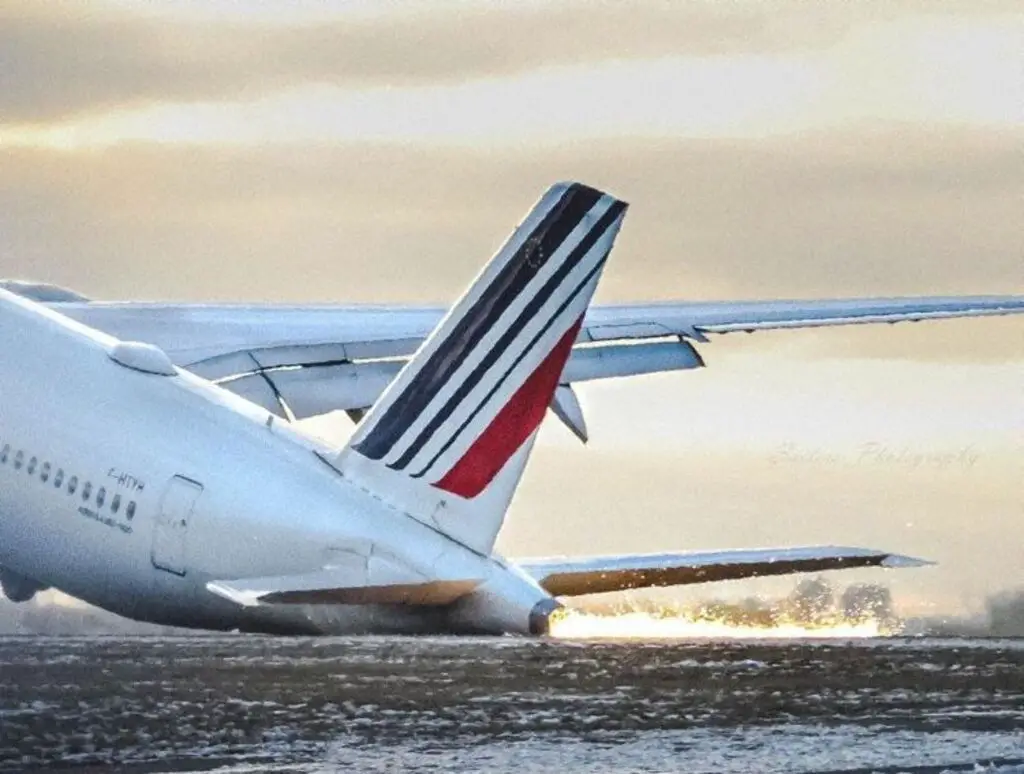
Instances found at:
x=131 y=490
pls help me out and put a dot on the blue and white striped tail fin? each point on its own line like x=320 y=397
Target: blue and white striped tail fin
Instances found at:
x=448 y=440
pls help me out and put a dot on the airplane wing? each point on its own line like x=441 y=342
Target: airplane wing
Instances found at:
x=302 y=361
x=697 y=318
x=562 y=576
x=216 y=340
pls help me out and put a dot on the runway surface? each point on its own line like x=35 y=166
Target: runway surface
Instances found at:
x=252 y=704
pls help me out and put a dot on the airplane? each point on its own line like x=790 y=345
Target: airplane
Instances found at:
x=147 y=465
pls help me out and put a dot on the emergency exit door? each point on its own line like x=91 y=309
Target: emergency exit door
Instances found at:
x=170 y=536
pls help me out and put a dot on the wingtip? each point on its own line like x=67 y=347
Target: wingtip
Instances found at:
x=898 y=561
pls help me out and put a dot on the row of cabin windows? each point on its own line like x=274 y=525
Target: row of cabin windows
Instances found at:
x=45 y=471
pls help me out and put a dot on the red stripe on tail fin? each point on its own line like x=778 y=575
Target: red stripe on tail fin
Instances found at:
x=511 y=426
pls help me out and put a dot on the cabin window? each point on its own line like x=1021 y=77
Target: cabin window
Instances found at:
x=4 y=454
x=44 y=474
x=31 y=466
x=86 y=490
x=72 y=484
x=101 y=496
x=129 y=510
x=19 y=459
x=115 y=503
x=58 y=478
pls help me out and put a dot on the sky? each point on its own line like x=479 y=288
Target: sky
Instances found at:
x=381 y=151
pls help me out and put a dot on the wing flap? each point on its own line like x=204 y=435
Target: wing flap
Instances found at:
x=561 y=576
x=318 y=389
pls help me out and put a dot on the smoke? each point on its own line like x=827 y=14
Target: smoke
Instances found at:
x=1006 y=613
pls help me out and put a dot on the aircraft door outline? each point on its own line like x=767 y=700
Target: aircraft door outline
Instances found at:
x=170 y=534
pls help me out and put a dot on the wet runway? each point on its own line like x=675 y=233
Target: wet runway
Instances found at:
x=246 y=704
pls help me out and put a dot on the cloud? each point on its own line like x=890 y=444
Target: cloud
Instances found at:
x=64 y=60
x=57 y=62
x=819 y=215
x=826 y=214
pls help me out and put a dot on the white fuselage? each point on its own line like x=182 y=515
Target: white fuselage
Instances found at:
x=74 y=424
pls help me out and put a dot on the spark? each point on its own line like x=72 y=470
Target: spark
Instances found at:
x=646 y=625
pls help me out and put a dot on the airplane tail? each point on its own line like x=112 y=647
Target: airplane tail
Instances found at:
x=448 y=440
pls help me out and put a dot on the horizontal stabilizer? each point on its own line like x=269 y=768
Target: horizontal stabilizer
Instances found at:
x=563 y=576
x=323 y=588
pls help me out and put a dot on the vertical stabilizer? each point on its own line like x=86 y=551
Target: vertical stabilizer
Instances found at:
x=448 y=440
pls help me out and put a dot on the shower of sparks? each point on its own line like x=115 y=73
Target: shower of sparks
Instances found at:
x=644 y=625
